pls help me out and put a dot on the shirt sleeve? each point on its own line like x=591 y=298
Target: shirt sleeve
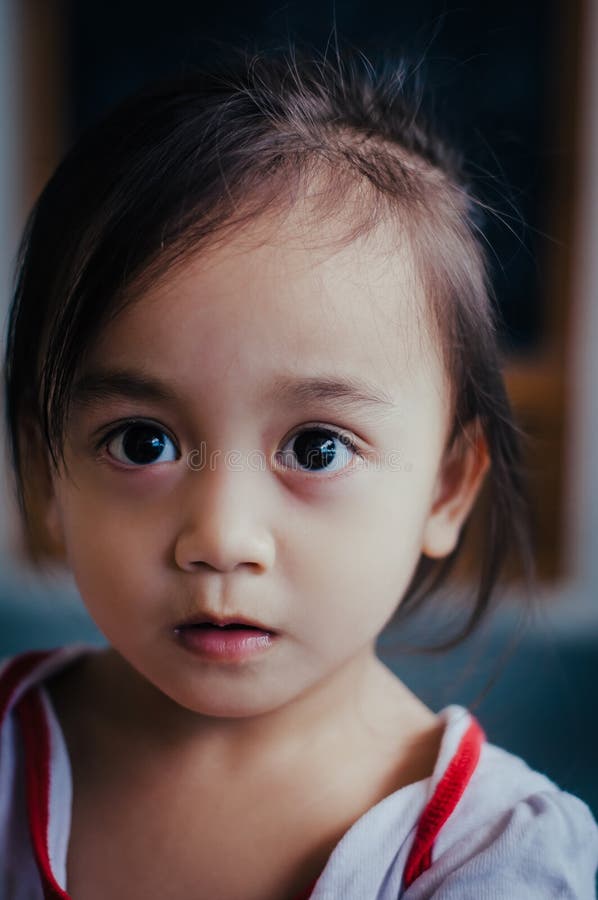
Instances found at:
x=544 y=847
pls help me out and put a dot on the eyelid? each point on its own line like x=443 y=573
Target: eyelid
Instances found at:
x=116 y=429
x=105 y=432
x=343 y=434
x=109 y=432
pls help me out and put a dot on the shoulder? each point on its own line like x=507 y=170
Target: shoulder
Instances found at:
x=31 y=742
x=33 y=666
x=22 y=672
x=513 y=834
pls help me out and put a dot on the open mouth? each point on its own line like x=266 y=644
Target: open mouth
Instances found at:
x=231 y=643
x=232 y=625
x=199 y=622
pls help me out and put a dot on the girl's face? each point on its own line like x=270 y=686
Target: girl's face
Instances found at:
x=260 y=480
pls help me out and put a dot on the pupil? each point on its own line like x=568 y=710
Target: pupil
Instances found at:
x=143 y=445
x=318 y=451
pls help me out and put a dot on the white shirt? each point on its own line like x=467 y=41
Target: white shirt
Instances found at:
x=494 y=829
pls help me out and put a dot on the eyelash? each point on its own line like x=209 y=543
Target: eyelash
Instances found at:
x=341 y=436
x=124 y=426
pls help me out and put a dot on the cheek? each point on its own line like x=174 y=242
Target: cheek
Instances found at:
x=110 y=557
x=354 y=561
x=108 y=519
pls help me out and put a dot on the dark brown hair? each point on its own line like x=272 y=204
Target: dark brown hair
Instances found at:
x=173 y=168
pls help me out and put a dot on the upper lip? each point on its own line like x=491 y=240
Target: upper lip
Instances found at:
x=199 y=618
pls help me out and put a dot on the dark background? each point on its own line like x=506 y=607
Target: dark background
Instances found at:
x=494 y=70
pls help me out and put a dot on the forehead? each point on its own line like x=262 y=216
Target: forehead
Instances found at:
x=289 y=293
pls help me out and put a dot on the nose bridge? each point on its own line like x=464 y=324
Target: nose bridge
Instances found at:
x=224 y=521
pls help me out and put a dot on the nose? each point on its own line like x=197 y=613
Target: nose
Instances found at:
x=224 y=522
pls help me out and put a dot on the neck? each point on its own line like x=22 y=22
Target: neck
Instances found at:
x=358 y=701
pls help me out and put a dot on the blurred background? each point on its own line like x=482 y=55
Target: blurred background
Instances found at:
x=518 y=85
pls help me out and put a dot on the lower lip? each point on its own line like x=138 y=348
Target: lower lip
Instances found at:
x=230 y=644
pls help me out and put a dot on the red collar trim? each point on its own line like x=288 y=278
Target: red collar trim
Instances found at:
x=15 y=673
x=36 y=736
x=444 y=800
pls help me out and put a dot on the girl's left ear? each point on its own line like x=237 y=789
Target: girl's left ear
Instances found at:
x=459 y=482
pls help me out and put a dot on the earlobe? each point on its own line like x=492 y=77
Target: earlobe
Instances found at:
x=42 y=500
x=459 y=482
x=53 y=522
x=51 y=510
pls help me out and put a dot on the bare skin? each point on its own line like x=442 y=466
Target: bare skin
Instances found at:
x=144 y=809
x=201 y=778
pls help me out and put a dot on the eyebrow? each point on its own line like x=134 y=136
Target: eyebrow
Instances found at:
x=348 y=391
x=94 y=387
x=97 y=386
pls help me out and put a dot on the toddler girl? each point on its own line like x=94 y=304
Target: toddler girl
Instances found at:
x=252 y=392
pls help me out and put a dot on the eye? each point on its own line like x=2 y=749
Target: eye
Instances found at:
x=140 y=444
x=318 y=449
